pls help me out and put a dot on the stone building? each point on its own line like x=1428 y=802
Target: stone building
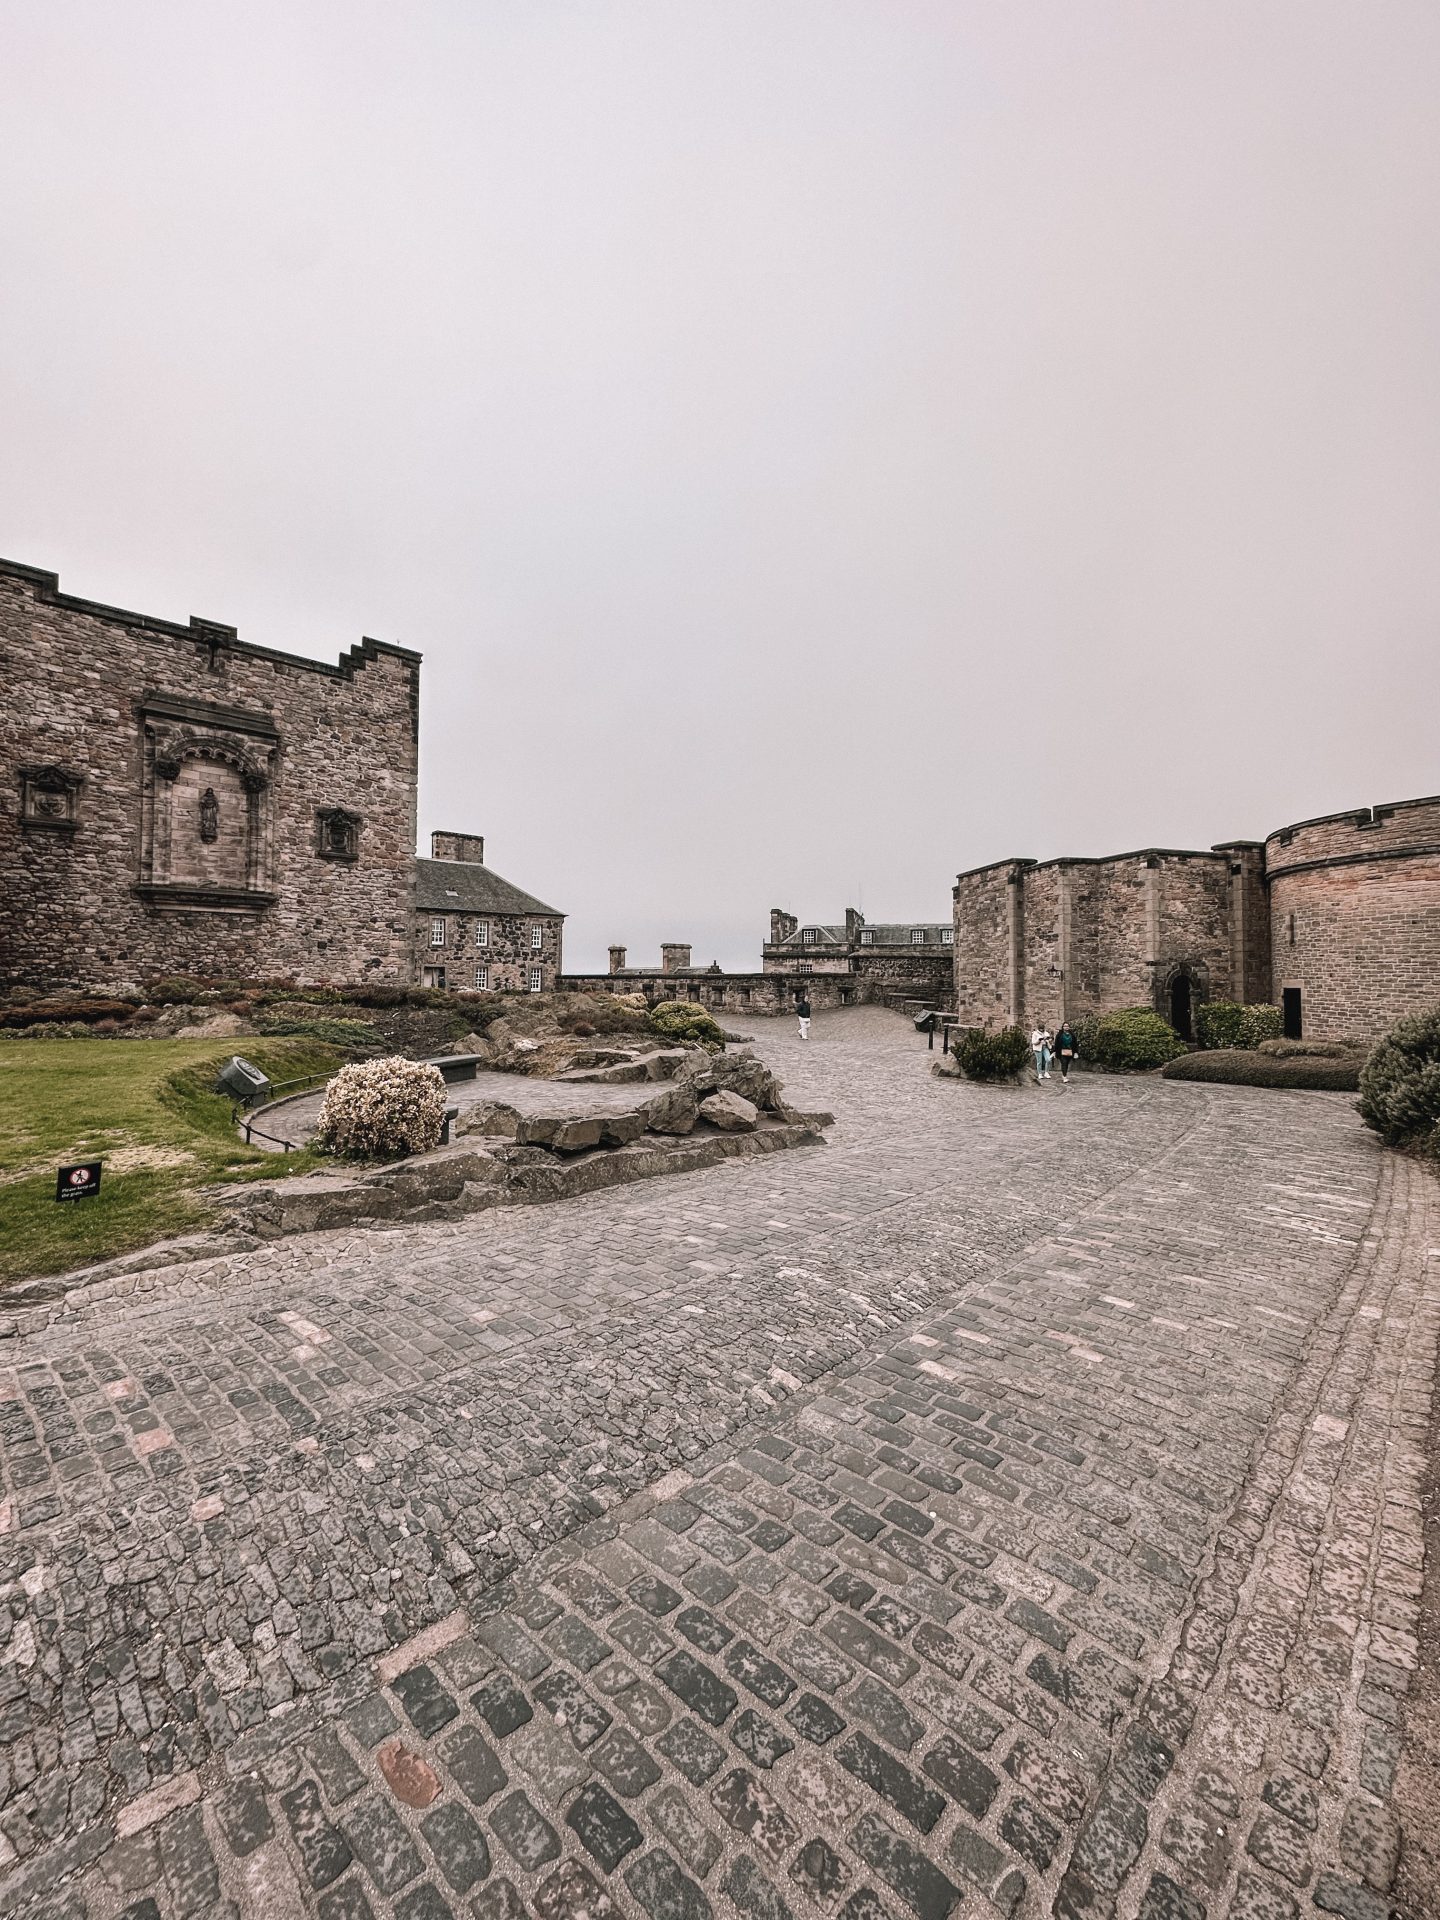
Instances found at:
x=174 y=800
x=1157 y=927
x=835 y=966
x=1355 y=917
x=475 y=930
x=909 y=958
x=1336 y=920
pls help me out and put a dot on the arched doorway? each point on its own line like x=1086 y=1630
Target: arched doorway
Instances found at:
x=1180 y=1006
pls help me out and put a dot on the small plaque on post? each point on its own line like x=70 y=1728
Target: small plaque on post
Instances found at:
x=78 y=1182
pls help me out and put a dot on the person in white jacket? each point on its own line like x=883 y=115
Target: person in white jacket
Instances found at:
x=1040 y=1047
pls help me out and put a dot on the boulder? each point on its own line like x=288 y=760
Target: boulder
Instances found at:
x=672 y=1111
x=619 y=1129
x=559 y=1132
x=731 y=1112
x=738 y=1073
x=495 y=1117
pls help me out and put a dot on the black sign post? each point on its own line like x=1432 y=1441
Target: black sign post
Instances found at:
x=80 y=1182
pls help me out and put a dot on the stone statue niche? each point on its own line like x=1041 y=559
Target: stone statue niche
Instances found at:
x=209 y=817
x=206 y=806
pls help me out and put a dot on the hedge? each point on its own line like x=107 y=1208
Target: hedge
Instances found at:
x=1223 y=1023
x=1243 y=1067
x=1400 y=1084
x=992 y=1056
x=1132 y=1040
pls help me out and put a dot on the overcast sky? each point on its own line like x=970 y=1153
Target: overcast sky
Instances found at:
x=816 y=447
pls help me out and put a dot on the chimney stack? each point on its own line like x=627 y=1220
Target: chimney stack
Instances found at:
x=674 y=955
x=617 y=959
x=782 y=925
x=458 y=846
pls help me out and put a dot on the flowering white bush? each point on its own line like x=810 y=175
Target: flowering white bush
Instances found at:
x=379 y=1108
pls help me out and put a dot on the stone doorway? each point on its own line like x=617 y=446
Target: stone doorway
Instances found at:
x=1181 y=1006
x=1290 y=1016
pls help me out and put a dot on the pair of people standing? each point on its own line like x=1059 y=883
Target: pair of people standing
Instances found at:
x=1046 y=1048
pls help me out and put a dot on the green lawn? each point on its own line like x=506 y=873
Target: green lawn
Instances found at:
x=146 y=1108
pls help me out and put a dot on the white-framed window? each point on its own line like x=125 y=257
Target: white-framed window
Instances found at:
x=482 y=933
x=810 y=936
x=437 y=933
x=537 y=938
x=482 y=979
x=947 y=936
x=867 y=936
x=537 y=979
x=803 y=966
x=917 y=936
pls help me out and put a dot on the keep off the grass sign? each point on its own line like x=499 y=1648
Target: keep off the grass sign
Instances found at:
x=78 y=1182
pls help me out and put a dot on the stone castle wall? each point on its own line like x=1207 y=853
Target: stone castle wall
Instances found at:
x=1079 y=937
x=173 y=800
x=1344 y=911
x=1355 y=917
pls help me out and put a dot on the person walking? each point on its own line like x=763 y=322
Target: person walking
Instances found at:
x=802 y=1012
x=1040 y=1047
x=1066 y=1050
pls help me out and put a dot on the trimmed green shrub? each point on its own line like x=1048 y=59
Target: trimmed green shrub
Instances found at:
x=992 y=1056
x=1400 y=1084
x=1245 y=1067
x=1222 y=1023
x=685 y=1023
x=1313 y=1049
x=1262 y=1022
x=1131 y=1040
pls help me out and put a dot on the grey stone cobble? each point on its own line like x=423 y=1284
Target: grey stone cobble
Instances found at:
x=979 y=1515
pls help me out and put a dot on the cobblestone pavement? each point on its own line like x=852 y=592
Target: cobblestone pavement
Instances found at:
x=1011 y=1508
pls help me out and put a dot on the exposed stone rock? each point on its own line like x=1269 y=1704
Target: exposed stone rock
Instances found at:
x=739 y=1073
x=555 y=1131
x=457 y=1180
x=731 y=1112
x=492 y=1117
x=672 y=1111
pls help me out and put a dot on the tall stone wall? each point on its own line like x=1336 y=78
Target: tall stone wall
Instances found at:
x=174 y=800
x=1355 y=917
x=986 y=902
x=1078 y=937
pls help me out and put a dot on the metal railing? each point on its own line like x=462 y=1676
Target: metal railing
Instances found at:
x=286 y=1090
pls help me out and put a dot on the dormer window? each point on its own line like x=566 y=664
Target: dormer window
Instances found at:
x=810 y=936
x=867 y=936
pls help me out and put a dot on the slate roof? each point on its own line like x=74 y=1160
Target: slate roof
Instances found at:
x=464 y=886
x=899 y=935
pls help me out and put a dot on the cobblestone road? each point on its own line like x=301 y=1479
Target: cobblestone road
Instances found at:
x=1009 y=1508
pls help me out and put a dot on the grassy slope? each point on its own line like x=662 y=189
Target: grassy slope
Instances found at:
x=123 y=1101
